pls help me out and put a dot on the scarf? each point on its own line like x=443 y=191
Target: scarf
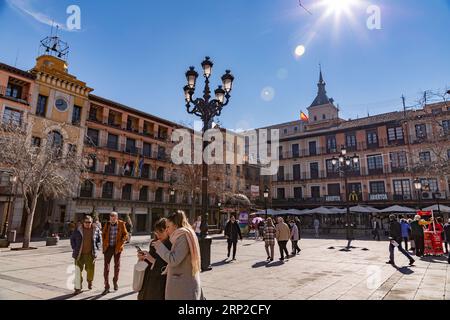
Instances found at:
x=194 y=247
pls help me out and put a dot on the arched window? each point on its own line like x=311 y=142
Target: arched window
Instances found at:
x=87 y=189
x=56 y=140
x=108 y=190
x=160 y=174
x=143 y=194
x=126 y=192
x=159 y=195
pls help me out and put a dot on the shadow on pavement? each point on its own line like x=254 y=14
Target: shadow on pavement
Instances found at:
x=259 y=264
x=64 y=297
x=405 y=270
x=274 y=264
x=123 y=295
x=220 y=263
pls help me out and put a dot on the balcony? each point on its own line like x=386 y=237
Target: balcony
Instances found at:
x=17 y=96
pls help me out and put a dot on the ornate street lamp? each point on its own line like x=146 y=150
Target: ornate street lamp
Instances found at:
x=418 y=188
x=207 y=109
x=266 y=195
x=345 y=164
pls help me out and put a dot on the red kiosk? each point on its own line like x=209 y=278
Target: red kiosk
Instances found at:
x=432 y=239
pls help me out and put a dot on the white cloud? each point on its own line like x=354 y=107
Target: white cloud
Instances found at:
x=25 y=6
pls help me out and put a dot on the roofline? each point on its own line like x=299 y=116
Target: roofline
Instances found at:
x=20 y=72
x=133 y=110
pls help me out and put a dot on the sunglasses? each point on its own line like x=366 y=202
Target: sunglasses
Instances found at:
x=88 y=222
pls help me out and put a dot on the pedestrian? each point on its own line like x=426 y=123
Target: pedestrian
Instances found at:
x=232 y=233
x=294 y=238
x=395 y=238
x=46 y=229
x=98 y=223
x=114 y=236
x=417 y=234
x=298 y=224
x=405 y=231
x=72 y=228
x=129 y=227
x=269 y=234
x=154 y=283
x=283 y=234
x=447 y=235
x=412 y=246
x=197 y=226
x=85 y=242
x=261 y=228
x=350 y=235
x=376 y=229
x=316 y=226
x=183 y=259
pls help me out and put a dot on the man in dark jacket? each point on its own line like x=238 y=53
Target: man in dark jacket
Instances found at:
x=232 y=233
x=395 y=240
x=85 y=242
x=447 y=235
x=417 y=234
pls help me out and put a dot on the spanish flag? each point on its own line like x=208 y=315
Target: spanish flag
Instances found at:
x=303 y=117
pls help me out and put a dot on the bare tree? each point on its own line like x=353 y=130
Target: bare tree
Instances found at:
x=46 y=170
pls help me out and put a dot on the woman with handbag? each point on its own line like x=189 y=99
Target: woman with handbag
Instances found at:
x=154 y=283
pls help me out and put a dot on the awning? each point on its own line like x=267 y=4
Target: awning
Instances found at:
x=398 y=209
x=363 y=209
x=435 y=207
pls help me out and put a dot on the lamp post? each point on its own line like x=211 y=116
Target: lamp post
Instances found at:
x=345 y=164
x=437 y=196
x=11 y=195
x=219 y=204
x=266 y=195
x=418 y=188
x=172 y=194
x=207 y=109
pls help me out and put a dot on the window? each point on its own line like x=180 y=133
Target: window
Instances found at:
x=56 y=142
x=280 y=193
x=315 y=192
x=421 y=131
x=399 y=161
x=72 y=150
x=93 y=160
x=375 y=164
x=402 y=189
x=92 y=137
x=160 y=174
x=35 y=141
x=350 y=141
x=87 y=189
x=354 y=188
x=446 y=126
x=395 y=135
x=145 y=171
x=314 y=170
x=372 y=138
x=448 y=154
x=425 y=156
x=280 y=174
x=147 y=150
x=108 y=190
x=377 y=187
x=324 y=117
x=334 y=189
x=285 y=131
x=93 y=114
x=312 y=148
x=332 y=171
x=126 y=192
x=130 y=146
x=331 y=144
x=76 y=115
x=110 y=168
x=113 y=141
x=280 y=152
x=161 y=153
x=295 y=129
x=296 y=171
x=41 y=106
x=14 y=91
x=298 y=194
x=430 y=185
x=295 y=150
x=12 y=117
x=143 y=194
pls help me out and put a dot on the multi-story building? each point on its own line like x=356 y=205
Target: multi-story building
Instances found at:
x=393 y=150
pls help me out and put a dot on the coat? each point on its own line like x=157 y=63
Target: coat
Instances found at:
x=76 y=242
x=122 y=236
x=154 y=284
x=447 y=232
x=395 y=230
x=283 y=232
x=416 y=229
x=180 y=284
x=294 y=233
x=405 y=229
x=233 y=231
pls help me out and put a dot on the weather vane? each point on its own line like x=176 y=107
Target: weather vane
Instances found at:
x=54 y=46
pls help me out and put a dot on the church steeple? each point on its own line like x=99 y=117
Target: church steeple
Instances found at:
x=321 y=97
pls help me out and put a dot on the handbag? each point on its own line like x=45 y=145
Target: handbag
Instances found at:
x=138 y=275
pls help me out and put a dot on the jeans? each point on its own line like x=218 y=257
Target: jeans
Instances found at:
x=392 y=247
x=283 y=249
x=234 y=244
x=295 y=247
x=272 y=249
x=109 y=254
x=406 y=243
x=86 y=261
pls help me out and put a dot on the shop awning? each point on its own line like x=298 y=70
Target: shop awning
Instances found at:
x=435 y=207
x=398 y=209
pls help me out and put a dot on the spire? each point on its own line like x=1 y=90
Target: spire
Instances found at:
x=321 y=97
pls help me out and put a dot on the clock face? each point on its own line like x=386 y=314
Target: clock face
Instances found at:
x=61 y=104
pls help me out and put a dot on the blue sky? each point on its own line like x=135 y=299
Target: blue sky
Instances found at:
x=136 y=52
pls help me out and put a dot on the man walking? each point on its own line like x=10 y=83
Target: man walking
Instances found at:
x=283 y=234
x=294 y=238
x=232 y=233
x=395 y=237
x=316 y=226
x=85 y=242
x=114 y=237
x=376 y=229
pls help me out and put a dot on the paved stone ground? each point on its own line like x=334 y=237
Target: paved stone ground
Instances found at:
x=321 y=271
